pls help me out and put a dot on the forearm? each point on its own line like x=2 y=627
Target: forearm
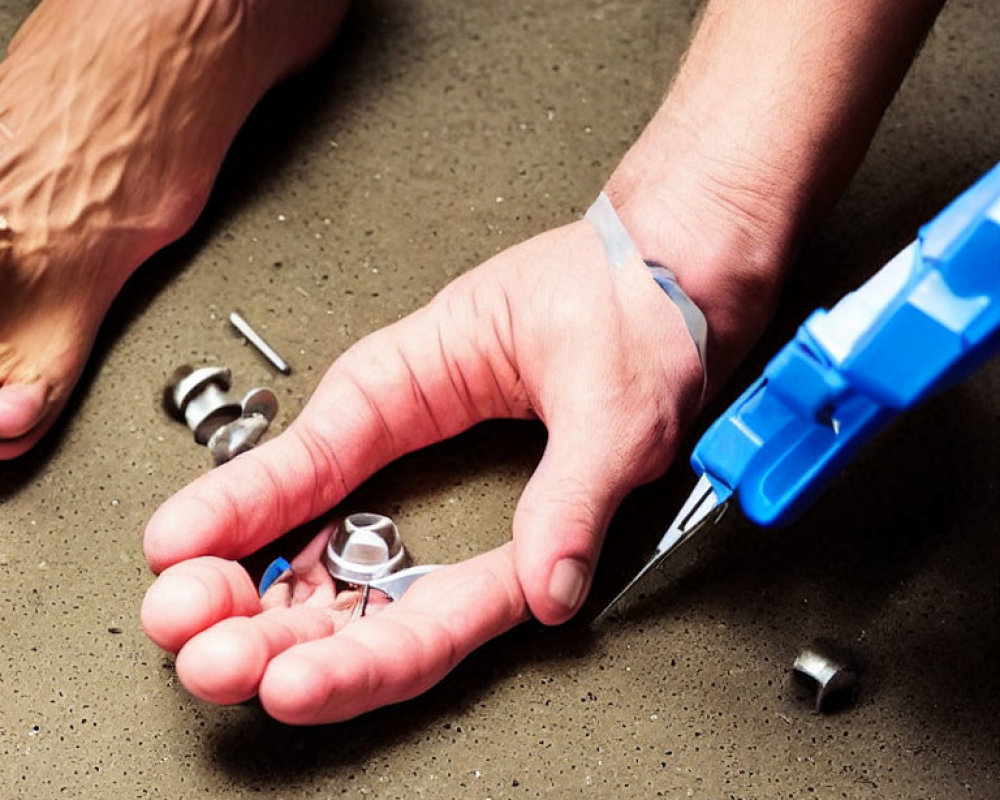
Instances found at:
x=769 y=115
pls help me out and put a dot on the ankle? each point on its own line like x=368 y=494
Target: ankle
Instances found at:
x=294 y=32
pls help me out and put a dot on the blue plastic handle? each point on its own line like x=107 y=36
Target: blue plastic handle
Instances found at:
x=927 y=322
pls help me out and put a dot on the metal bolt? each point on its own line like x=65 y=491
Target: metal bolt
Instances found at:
x=260 y=402
x=236 y=437
x=198 y=398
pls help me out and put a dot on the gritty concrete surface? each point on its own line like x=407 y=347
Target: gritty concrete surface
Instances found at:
x=436 y=134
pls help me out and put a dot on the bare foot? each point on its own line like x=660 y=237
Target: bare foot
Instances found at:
x=114 y=119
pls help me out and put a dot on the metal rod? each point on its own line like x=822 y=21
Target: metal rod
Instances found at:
x=366 y=591
x=239 y=322
x=362 y=603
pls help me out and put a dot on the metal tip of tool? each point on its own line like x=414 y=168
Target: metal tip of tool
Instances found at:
x=701 y=508
x=606 y=611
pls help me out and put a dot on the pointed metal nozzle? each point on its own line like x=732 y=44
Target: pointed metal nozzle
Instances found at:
x=702 y=507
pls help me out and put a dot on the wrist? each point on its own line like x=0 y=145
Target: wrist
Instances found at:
x=728 y=245
x=770 y=113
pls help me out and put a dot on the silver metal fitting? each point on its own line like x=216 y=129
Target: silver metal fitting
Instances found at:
x=829 y=671
x=366 y=551
x=365 y=547
x=200 y=398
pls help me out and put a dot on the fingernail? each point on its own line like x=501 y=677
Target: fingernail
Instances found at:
x=568 y=583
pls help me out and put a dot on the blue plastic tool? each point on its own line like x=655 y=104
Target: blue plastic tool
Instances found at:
x=926 y=320
x=274 y=570
x=923 y=322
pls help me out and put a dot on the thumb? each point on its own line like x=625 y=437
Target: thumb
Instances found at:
x=561 y=519
x=427 y=377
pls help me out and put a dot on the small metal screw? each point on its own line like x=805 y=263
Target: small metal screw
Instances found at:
x=365 y=551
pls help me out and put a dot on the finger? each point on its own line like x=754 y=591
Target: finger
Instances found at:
x=560 y=521
x=225 y=663
x=614 y=412
x=207 y=611
x=398 y=390
x=401 y=652
x=192 y=596
x=306 y=579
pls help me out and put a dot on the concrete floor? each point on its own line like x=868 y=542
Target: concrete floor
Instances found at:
x=435 y=135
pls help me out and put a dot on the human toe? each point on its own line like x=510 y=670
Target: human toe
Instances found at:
x=22 y=405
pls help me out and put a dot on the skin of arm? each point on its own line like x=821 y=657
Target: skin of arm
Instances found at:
x=767 y=119
x=771 y=111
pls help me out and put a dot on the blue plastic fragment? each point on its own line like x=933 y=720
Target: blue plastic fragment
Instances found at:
x=274 y=570
x=930 y=320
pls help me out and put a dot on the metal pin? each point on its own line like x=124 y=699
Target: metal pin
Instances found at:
x=362 y=605
x=239 y=322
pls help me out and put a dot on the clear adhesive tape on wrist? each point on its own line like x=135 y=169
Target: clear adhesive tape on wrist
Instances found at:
x=620 y=249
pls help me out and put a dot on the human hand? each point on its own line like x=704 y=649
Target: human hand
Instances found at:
x=543 y=330
x=300 y=649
